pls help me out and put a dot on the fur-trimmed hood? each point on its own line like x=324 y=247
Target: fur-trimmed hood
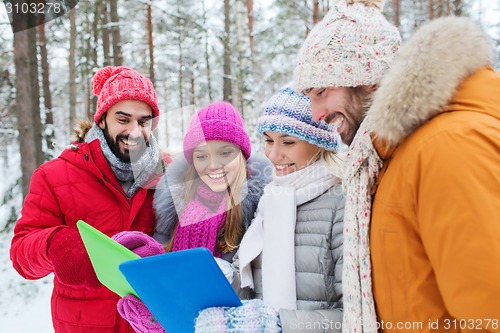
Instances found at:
x=169 y=195
x=425 y=76
x=81 y=129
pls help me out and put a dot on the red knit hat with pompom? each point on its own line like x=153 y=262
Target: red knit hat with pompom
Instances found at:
x=114 y=84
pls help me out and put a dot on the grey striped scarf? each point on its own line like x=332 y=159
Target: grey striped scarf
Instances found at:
x=139 y=172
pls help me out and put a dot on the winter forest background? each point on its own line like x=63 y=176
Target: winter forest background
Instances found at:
x=194 y=51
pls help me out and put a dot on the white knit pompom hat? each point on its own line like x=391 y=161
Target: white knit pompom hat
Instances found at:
x=353 y=45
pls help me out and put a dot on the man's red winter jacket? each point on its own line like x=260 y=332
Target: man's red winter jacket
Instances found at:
x=79 y=185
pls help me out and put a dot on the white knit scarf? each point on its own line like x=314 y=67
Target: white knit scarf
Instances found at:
x=272 y=232
x=362 y=167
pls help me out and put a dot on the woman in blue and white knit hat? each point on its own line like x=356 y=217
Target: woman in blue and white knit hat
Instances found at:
x=290 y=258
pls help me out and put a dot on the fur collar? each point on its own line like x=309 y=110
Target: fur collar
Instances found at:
x=81 y=129
x=169 y=195
x=425 y=75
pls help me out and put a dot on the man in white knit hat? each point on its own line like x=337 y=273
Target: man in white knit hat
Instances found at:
x=339 y=67
x=422 y=214
x=343 y=60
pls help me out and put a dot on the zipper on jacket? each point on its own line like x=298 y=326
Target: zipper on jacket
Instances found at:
x=120 y=189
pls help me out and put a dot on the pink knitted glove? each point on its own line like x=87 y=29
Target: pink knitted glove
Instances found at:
x=72 y=266
x=139 y=243
x=138 y=315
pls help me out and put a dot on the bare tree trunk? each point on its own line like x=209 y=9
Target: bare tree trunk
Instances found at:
x=47 y=97
x=250 y=25
x=89 y=114
x=85 y=72
x=182 y=123
x=244 y=69
x=458 y=8
x=448 y=7
x=103 y=4
x=165 y=96
x=150 y=43
x=315 y=12
x=440 y=8
x=26 y=106
x=35 y=92
x=115 y=31
x=72 y=68
x=431 y=9
x=227 y=87
x=396 y=5
x=307 y=23
x=207 y=55
x=193 y=96
x=95 y=34
x=181 y=97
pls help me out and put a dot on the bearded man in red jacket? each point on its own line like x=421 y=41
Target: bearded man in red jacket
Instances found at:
x=108 y=181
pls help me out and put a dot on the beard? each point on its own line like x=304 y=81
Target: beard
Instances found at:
x=357 y=104
x=349 y=124
x=125 y=155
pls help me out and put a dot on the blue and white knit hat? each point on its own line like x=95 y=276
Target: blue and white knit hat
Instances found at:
x=290 y=113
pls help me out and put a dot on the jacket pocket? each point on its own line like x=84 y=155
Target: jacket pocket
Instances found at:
x=390 y=273
x=86 y=312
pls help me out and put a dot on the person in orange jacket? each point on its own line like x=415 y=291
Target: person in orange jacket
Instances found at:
x=108 y=180
x=422 y=176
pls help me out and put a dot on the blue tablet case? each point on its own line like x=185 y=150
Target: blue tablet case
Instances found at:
x=176 y=286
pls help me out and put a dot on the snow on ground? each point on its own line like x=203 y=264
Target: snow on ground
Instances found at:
x=24 y=305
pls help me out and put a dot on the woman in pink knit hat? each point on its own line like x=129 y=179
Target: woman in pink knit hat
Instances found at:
x=288 y=267
x=207 y=198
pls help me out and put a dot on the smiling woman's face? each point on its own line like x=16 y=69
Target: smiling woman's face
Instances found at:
x=288 y=153
x=217 y=163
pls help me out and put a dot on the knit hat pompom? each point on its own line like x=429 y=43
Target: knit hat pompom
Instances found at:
x=113 y=84
x=289 y=113
x=103 y=75
x=216 y=121
x=352 y=46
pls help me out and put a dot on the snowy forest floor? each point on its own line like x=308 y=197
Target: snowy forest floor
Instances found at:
x=24 y=305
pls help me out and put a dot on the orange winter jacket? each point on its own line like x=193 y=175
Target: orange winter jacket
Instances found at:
x=435 y=230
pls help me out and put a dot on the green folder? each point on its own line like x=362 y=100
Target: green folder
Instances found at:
x=106 y=255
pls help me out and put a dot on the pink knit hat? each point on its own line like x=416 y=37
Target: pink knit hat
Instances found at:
x=114 y=84
x=353 y=45
x=216 y=121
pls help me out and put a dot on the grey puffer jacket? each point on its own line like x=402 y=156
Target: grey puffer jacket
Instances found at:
x=318 y=266
x=169 y=196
